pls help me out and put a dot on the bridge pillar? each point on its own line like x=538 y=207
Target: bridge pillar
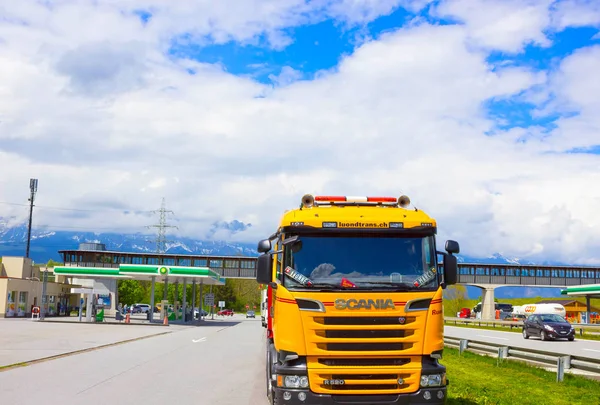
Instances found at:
x=488 y=307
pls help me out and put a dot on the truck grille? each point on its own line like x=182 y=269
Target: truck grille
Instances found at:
x=368 y=352
x=362 y=362
x=363 y=347
x=364 y=320
x=378 y=335
x=364 y=334
x=359 y=382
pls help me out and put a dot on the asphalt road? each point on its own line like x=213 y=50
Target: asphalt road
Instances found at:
x=218 y=364
x=579 y=347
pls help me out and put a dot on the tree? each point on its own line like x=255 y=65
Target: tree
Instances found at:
x=247 y=292
x=130 y=292
x=455 y=298
x=226 y=293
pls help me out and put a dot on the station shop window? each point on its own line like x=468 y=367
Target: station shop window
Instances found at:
x=11 y=308
x=22 y=302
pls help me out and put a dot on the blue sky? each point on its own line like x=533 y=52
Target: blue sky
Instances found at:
x=482 y=111
x=320 y=46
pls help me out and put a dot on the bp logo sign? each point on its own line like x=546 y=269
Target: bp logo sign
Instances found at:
x=163 y=270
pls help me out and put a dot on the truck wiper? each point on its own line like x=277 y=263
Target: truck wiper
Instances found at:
x=323 y=286
x=330 y=286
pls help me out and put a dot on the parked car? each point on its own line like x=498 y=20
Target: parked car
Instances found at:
x=250 y=314
x=225 y=312
x=140 y=308
x=516 y=318
x=197 y=313
x=548 y=326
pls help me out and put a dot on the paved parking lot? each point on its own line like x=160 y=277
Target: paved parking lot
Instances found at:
x=23 y=340
x=219 y=362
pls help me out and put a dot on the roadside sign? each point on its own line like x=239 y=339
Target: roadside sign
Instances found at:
x=255 y=307
x=247 y=306
x=209 y=299
x=221 y=304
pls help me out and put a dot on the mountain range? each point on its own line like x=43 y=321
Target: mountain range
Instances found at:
x=45 y=245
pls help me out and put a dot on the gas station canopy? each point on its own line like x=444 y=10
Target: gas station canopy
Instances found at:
x=161 y=273
x=589 y=290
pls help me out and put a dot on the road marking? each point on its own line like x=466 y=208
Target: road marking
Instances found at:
x=591 y=350
x=199 y=340
x=492 y=337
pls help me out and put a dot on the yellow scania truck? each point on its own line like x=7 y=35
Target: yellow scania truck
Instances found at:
x=356 y=303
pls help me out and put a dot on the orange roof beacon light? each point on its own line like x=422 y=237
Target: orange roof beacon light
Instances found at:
x=309 y=201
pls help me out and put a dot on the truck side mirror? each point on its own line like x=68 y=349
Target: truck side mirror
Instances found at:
x=452 y=247
x=264 y=269
x=450 y=269
x=264 y=246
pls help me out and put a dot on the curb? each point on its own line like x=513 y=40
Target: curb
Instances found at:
x=103 y=323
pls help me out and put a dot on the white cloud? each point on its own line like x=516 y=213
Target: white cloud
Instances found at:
x=576 y=13
x=107 y=132
x=576 y=90
x=506 y=25
x=361 y=11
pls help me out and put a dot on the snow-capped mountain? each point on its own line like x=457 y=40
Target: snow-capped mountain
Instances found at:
x=46 y=244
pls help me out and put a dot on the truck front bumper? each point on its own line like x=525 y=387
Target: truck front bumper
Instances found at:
x=437 y=396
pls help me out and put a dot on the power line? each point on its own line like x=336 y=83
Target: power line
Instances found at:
x=77 y=209
x=90 y=228
x=161 y=238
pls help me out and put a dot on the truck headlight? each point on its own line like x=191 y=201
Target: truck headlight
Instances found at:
x=433 y=380
x=295 y=381
x=291 y=381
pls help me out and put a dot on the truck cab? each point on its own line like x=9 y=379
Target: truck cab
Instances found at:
x=356 y=308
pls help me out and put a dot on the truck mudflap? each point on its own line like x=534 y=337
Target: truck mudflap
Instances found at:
x=424 y=396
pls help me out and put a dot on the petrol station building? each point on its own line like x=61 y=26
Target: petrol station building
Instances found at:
x=90 y=274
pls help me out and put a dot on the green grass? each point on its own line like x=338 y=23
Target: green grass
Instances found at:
x=478 y=380
x=518 y=329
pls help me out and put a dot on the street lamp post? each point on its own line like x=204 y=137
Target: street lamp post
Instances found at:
x=33 y=185
x=43 y=311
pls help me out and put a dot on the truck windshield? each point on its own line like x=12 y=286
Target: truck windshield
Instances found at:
x=372 y=262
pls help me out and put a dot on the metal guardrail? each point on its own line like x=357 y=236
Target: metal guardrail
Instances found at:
x=496 y=322
x=560 y=361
